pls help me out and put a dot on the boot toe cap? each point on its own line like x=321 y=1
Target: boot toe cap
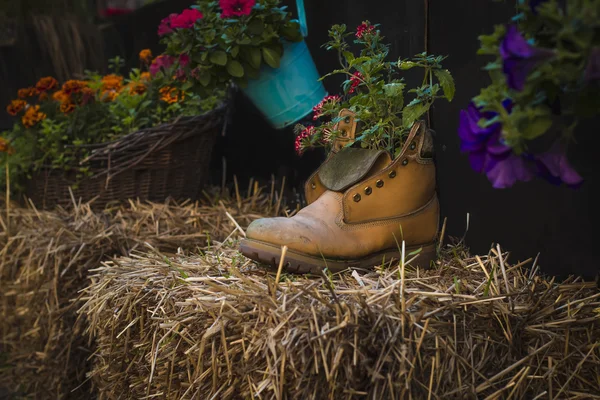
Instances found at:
x=280 y=232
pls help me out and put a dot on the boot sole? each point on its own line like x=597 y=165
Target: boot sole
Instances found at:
x=300 y=263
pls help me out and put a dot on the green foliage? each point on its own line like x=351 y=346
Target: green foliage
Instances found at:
x=233 y=49
x=376 y=92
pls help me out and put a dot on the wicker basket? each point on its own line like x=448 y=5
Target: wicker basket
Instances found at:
x=167 y=161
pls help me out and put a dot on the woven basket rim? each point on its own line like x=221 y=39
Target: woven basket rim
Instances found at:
x=178 y=120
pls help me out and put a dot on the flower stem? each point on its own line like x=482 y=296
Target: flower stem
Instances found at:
x=7 y=196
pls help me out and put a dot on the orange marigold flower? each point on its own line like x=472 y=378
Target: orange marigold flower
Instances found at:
x=60 y=96
x=32 y=116
x=5 y=146
x=73 y=86
x=109 y=95
x=67 y=107
x=171 y=95
x=137 y=88
x=146 y=56
x=16 y=106
x=27 y=92
x=112 y=82
x=87 y=95
x=145 y=76
x=43 y=96
x=47 y=83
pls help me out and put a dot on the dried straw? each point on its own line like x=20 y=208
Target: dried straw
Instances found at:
x=44 y=262
x=214 y=326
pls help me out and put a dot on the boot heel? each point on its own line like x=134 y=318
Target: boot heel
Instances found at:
x=426 y=258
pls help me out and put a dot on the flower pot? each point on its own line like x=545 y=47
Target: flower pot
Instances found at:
x=287 y=94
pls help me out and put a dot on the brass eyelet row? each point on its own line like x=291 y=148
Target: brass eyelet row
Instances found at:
x=368 y=190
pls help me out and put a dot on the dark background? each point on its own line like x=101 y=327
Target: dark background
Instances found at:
x=526 y=219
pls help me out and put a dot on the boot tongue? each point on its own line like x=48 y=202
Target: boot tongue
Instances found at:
x=350 y=165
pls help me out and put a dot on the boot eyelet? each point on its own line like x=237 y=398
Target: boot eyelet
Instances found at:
x=313 y=186
x=344 y=133
x=392 y=174
x=347 y=120
x=405 y=161
x=379 y=183
x=356 y=197
x=368 y=190
x=413 y=146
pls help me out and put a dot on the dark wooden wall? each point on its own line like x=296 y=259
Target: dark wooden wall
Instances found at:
x=527 y=219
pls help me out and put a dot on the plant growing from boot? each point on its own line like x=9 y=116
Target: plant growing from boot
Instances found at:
x=216 y=43
x=55 y=123
x=376 y=92
x=545 y=78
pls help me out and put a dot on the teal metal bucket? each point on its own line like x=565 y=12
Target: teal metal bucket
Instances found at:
x=287 y=94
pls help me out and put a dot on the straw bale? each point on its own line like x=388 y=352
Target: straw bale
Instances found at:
x=44 y=261
x=215 y=326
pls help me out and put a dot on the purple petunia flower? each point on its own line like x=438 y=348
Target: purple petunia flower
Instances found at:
x=592 y=70
x=519 y=57
x=483 y=144
x=510 y=170
x=554 y=166
x=503 y=168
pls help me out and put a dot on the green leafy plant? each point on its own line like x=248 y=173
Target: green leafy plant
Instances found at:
x=56 y=124
x=216 y=43
x=376 y=92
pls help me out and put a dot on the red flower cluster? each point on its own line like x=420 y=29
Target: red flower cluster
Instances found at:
x=364 y=28
x=236 y=8
x=319 y=107
x=309 y=131
x=356 y=80
x=185 y=20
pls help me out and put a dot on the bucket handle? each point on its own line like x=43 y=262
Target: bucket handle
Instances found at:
x=302 y=17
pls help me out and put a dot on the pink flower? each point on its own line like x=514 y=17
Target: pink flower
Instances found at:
x=364 y=28
x=180 y=74
x=356 y=80
x=186 y=19
x=319 y=107
x=184 y=60
x=162 y=61
x=298 y=146
x=236 y=8
x=165 y=25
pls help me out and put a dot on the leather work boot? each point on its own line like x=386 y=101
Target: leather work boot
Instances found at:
x=361 y=205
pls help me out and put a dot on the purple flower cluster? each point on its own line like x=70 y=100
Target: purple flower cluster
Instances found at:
x=488 y=153
x=519 y=58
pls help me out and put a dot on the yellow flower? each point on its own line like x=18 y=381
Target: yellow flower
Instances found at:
x=16 y=106
x=146 y=56
x=32 y=116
